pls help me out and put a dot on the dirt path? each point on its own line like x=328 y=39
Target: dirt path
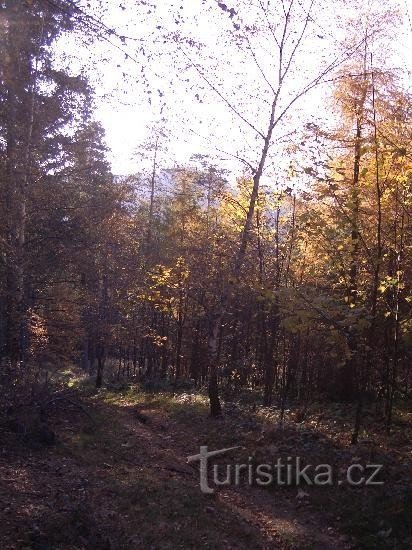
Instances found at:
x=124 y=483
x=279 y=522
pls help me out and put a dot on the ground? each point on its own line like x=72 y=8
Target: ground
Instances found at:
x=117 y=477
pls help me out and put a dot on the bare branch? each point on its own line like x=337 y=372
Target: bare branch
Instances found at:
x=269 y=24
x=299 y=41
x=217 y=91
x=319 y=79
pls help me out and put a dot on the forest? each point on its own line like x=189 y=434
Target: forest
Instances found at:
x=241 y=280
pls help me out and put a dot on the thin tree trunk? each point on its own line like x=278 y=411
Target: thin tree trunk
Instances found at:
x=217 y=318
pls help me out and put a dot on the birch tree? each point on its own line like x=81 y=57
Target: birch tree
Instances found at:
x=275 y=40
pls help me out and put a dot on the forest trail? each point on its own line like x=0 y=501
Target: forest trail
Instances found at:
x=128 y=485
x=276 y=521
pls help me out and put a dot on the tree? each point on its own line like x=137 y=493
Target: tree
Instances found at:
x=38 y=104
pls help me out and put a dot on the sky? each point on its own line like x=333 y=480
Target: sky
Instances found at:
x=162 y=73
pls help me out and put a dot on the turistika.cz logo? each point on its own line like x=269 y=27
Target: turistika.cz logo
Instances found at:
x=283 y=472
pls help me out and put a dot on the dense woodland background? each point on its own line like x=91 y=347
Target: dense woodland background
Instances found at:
x=185 y=276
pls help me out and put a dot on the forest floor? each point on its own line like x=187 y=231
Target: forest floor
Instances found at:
x=118 y=478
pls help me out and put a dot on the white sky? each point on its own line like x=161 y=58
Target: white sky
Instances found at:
x=190 y=109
